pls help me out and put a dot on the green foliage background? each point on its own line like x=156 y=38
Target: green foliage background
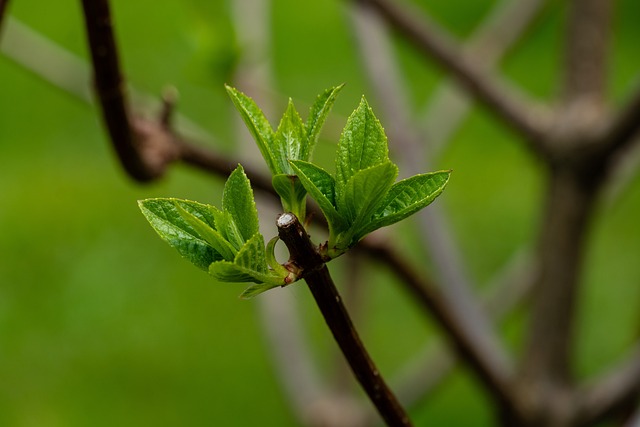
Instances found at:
x=101 y=324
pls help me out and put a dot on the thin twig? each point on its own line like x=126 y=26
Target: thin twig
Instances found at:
x=143 y=156
x=426 y=371
x=304 y=257
x=434 y=43
x=612 y=391
x=434 y=227
x=505 y=25
x=495 y=376
x=3 y=9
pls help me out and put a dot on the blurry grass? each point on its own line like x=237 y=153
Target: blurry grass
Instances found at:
x=102 y=324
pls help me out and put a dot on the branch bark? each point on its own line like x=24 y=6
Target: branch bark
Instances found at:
x=490 y=370
x=305 y=257
x=143 y=155
x=546 y=369
x=434 y=43
x=586 y=52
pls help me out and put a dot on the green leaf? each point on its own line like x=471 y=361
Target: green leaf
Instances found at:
x=407 y=197
x=257 y=124
x=206 y=232
x=292 y=193
x=290 y=139
x=362 y=195
x=321 y=186
x=317 y=116
x=249 y=265
x=227 y=271
x=362 y=145
x=167 y=221
x=227 y=228
x=237 y=199
x=276 y=267
x=257 y=289
x=252 y=255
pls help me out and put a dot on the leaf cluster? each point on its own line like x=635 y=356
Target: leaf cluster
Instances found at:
x=292 y=140
x=360 y=197
x=226 y=242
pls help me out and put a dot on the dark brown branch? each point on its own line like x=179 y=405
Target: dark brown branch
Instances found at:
x=305 y=257
x=3 y=9
x=612 y=392
x=495 y=376
x=434 y=43
x=143 y=157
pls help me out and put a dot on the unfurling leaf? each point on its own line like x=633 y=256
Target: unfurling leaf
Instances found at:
x=290 y=139
x=317 y=116
x=321 y=185
x=168 y=222
x=237 y=199
x=257 y=124
x=361 y=197
x=407 y=197
x=362 y=145
x=292 y=193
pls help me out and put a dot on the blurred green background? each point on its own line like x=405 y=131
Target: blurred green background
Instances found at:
x=102 y=324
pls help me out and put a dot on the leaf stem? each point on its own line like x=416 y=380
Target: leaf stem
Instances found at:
x=304 y=255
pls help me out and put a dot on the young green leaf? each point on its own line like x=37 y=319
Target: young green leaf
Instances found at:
x=362 y=145
x=227 y=271
x=257 y=124
x=321 y=185
x=290 y=139
x=407 y=197
x=257 y=289
x=249 y=265
x=291 y=192
x=227 y=228
x=252 y=256
x=362 y=195
x=317 y=116
x=210 y=235
x=237 y=199
x=166 y=220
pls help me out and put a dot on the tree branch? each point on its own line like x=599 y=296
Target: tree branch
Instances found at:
x=305 y=257
x=434 y=227
x=623 y=128
x=500 y=30
x=433 y=42
x=490 y=370
x=426 y=371
x=143 y=156
x=612 y=391
x=545 y=370
x=3 y=9
x=586 y=52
